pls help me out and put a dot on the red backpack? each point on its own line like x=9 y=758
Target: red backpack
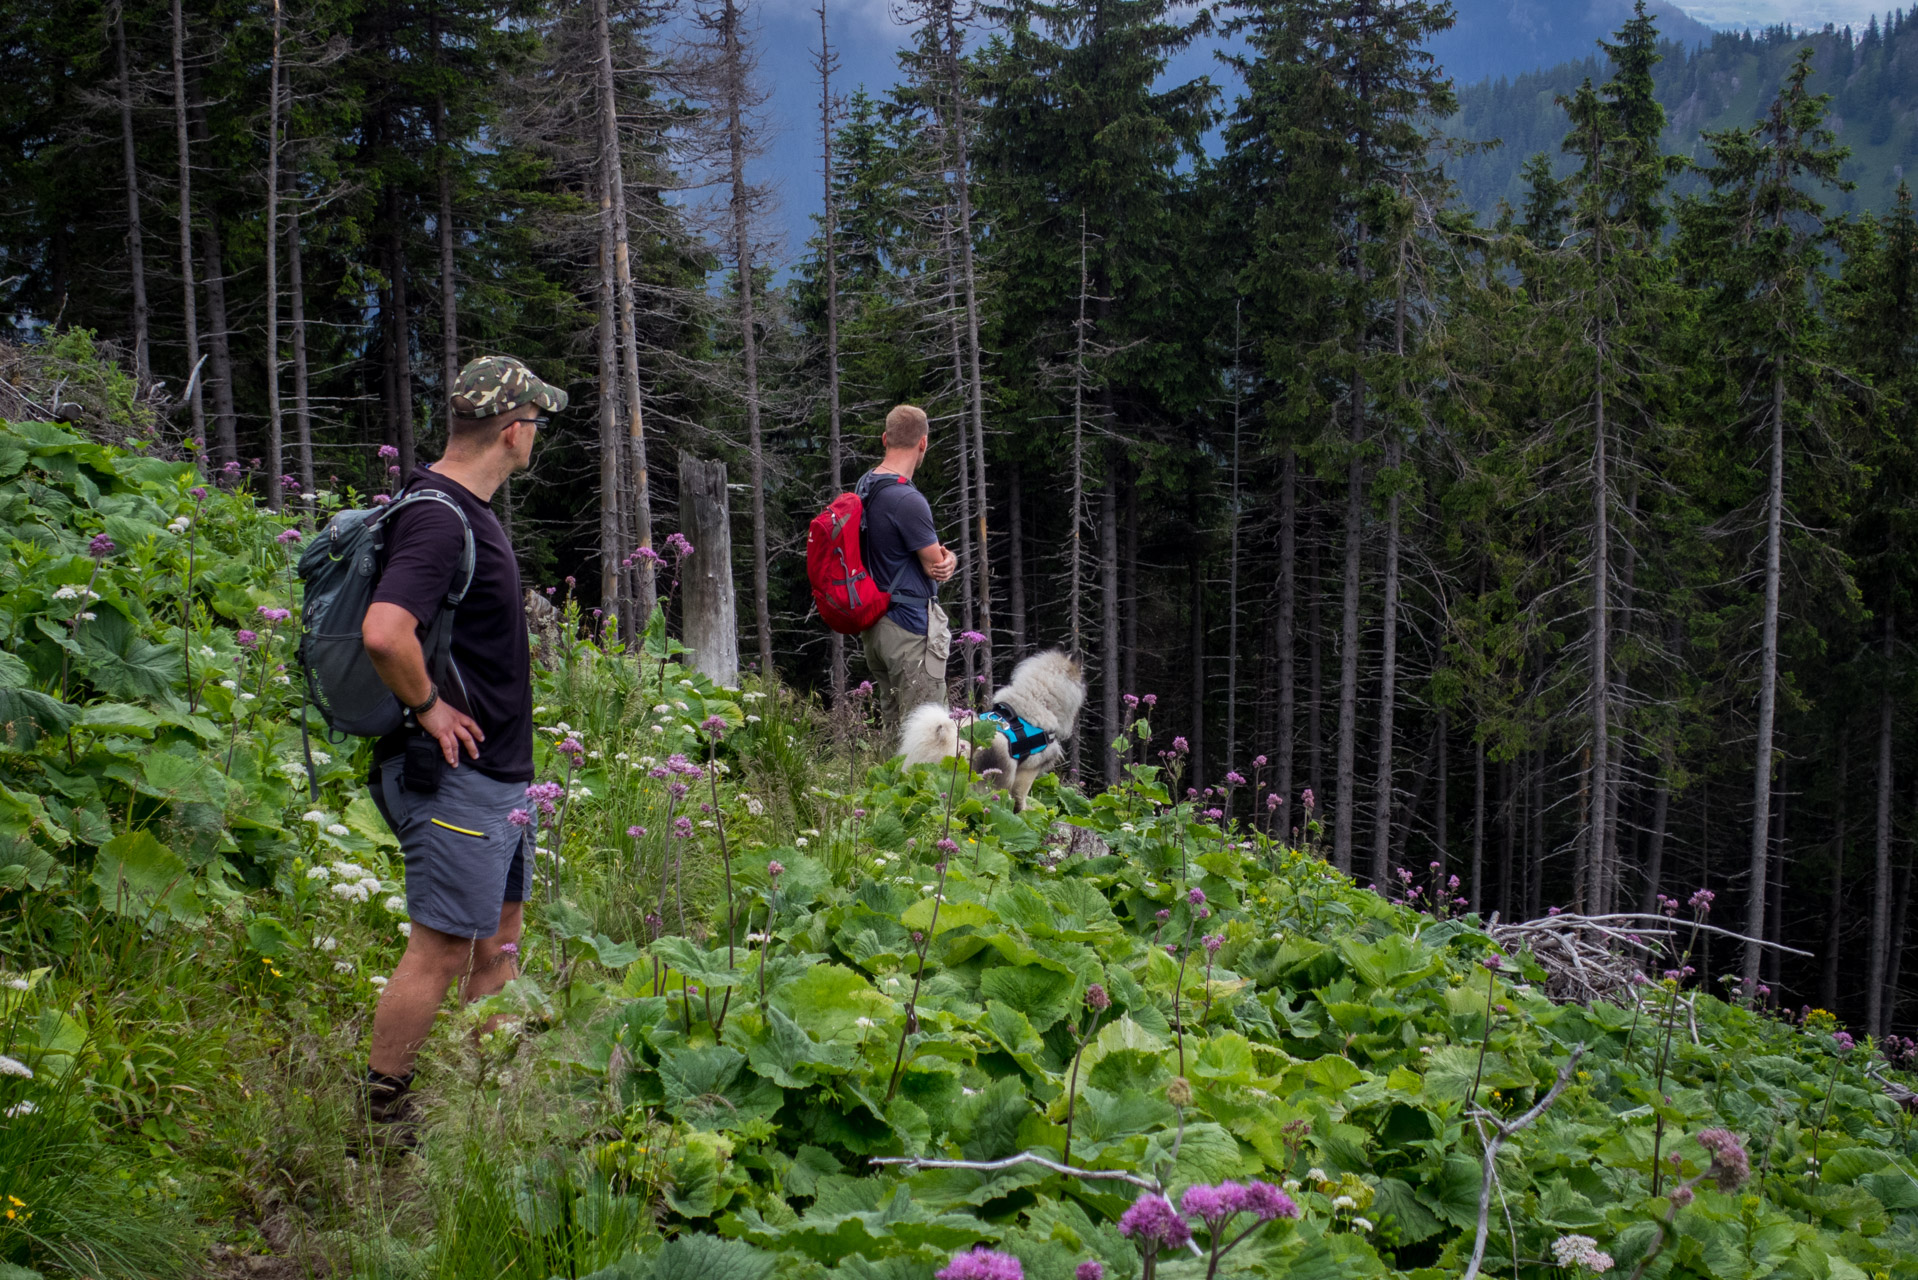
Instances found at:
x=848 y=598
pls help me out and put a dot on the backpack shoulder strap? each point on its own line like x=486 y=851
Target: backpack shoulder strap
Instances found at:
x=866 y=484
x=468 y=553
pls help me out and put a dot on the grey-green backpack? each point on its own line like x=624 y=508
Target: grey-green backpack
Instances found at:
x=340 y=570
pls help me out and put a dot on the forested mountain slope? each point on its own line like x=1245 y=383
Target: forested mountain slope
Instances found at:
x=1872 y=77
x=1492 y=38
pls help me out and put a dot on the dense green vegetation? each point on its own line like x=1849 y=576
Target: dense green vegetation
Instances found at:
x=762 y=961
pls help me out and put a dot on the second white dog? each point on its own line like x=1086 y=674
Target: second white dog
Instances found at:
x=1036 y=713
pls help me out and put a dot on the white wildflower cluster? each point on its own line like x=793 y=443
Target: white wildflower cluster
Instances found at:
x=315 y=816
x=1581 y=1251
x=379 y=983
x=354 y=884
x=18 y=1109
x=321 y=757
x=207 y=652
x=406 y=929
x=19 y=984
x=230 y=685
x=752 y=719
x=72 y=592
x=560 y=730
x=753 y=804
x=325 y=942
x=687 y=684
x=680 y=705
x=179 y=525
x=754 y=696
x=348 y=891
x=292 y=770
x=395 y=904
x=662 y=710
x=708 y=823
x=342 y=966
x=864 y=1024
x=318 y=873
x=14 y=1067
x=799 y=842
x=337 y=829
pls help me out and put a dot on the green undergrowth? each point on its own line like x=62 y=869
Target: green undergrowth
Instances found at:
x=762 y=959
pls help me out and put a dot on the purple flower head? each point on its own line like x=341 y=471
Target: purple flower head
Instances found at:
x=393 y=470
x=1258 y=762
x=1203 y=913
x=676 y=789
x=381 y=499
x=1213 y=941
x=677 y=544
x=917 y=937
x=101 y=547
x=1212 y=1205
x=288 y=537
x=1132 y=701
x=1274 y=800
x=1090 y=1269
x=1151 y=700
x=1162 y=915
x=509 y=948
x=246 y=639
x=1701 y=902
x=646 y=555
x=1667 y=906
x=1843 y=1040
x=1097 y=998
x=1213 y=815
x=290 y=483
x=715 y=726
x=958 y=715
x=1172 y=948
x=1236 y=779
x=1154 y=1223
x=571 y=582
x=1195 y=896
x=971 y=638
x=948 y=846
x=520 y=818
x=1681 y=1196
x=1191 y=793
x=231 y=468
x=864 y=690
x=982 y=1264
x=1266 y=1202
x=388 y=451
x=660 y=771
x=1307 y=799
x=1180 y=746
x=198 y=492
x=653 y=923
x=683 y=827
x=858 y=814
x=636 y=832
x=273 y=615
x=775 y=869
x=1730 y=1165
x=1493 y=962
x=570 y=747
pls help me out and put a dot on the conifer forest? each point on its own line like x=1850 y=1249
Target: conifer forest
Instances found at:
x=1496 y=491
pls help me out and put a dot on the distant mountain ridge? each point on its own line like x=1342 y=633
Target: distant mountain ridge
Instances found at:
x=1871 y=75
x=1493 y=38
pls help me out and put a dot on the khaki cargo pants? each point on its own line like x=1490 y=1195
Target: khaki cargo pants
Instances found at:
x=908 y=670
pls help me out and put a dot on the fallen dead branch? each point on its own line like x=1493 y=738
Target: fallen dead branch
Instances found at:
x=1502 y=1131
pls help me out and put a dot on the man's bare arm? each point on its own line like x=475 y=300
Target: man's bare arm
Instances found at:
x=940 y=564
x=392 y=641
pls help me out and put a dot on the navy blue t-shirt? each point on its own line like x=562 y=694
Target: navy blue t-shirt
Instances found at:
x=898 y=526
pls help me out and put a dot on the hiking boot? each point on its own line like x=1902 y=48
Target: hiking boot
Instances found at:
x=389 y=1115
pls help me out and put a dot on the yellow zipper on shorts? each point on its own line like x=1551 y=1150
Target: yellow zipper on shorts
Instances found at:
x=462 y=830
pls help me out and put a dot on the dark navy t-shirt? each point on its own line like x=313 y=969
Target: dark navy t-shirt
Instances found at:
x=423 y=547
x=898 y=526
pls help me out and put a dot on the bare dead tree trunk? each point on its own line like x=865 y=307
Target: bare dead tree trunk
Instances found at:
x=1508 y=833
x=1477 y=873
x=645 y=587
x=1016 y=560
x=1767 y=693
x=1347 y=781
x=1129 y=583
x=1834 y=917
x=835 y=447
x=1232 y=572
x=1109 y=568
x=1195 y=574
x=1388 y=682
x=1075 y=545
x=1288 y=608
x=219 y=339
x=1441 y=818
x=296 y=307
x=610 y=527
x=190 y=306
x=1881 y=849
x=136 y=243
x=402 y=344
x=1655 y=845
x=968 y=563
x=449 y=287
x=733 y=54
x=1592 y=880
x=275 y=422
x=712 y=629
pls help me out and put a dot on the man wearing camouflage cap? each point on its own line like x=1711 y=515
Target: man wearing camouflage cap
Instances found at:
x=466 y=859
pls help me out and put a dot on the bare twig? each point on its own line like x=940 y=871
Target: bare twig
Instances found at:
x=1503 y=1130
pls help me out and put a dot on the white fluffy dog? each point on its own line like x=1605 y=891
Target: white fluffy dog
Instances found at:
x=1046 y=692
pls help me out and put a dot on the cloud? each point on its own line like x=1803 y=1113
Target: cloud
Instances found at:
x=1799 y=13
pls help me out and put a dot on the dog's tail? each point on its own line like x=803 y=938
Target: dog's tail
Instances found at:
x=928 y=735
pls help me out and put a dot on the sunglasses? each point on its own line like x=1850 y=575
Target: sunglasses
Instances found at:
x=540 y=421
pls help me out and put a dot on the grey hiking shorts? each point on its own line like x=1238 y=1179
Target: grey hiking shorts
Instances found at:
x=463 y=858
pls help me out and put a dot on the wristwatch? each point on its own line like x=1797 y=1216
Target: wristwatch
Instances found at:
x=432 y=699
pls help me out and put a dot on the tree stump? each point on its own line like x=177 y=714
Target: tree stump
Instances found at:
x=706 y=577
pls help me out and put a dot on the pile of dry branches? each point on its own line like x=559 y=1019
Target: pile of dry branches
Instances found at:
x=1604 y=957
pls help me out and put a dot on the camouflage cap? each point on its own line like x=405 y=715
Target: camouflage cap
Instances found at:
x=492 y=385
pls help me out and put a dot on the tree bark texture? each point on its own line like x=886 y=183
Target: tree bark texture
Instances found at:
x=1767 y=691
x=189 y=303
x=711 y=626
x=136 y=242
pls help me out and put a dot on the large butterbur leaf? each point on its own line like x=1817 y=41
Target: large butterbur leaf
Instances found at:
x=139 y=877
x=121 y=662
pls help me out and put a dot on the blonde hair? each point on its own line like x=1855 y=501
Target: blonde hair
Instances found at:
x=905 y=427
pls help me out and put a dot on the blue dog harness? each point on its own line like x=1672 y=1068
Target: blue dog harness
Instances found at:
x=1025 y=738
